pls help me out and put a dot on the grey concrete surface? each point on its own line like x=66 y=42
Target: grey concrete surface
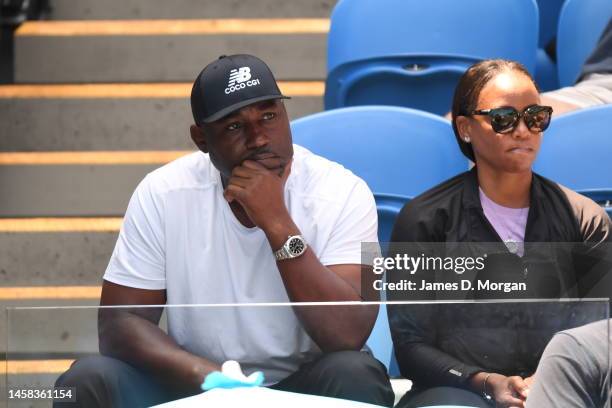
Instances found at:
x=49 y=332
x=58 y=190
x=187 y=9
x=51 y=329
x=160 y=58
x=108 y=124
x=54 y=258
x=55 y=330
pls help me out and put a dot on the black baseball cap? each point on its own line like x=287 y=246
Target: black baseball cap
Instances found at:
x=230 y=83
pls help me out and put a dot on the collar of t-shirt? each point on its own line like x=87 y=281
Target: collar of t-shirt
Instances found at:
x=509 y=223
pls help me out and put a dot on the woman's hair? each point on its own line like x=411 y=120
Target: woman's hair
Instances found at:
x=469 y=87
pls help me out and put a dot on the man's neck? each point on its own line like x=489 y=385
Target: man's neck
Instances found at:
x=241 y=215
x=510 y=190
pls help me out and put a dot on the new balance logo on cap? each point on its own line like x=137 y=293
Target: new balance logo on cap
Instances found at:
x=239 y=79
x=239 y=75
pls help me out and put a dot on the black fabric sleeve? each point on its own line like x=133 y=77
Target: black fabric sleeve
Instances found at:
x=414 y=327
x=413 y=330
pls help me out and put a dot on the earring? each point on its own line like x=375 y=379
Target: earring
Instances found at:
x=466 y=139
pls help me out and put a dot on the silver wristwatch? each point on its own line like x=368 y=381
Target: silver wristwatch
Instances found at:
x=292 y=248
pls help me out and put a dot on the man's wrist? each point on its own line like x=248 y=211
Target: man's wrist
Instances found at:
x=278 y=230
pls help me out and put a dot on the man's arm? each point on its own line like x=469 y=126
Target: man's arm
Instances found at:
x=260 y=193
x=567 y=374
x=332 y=327
x=133 y=335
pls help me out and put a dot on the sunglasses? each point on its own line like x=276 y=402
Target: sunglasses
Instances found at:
x=506 y=119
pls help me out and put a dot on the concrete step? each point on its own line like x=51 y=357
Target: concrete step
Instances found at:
x=114 y=116
x=185 y=9
x=54 y=332
x=69 y=190
x=55 y=258
x=61 y=328
x=43 y=343
x=164 y=51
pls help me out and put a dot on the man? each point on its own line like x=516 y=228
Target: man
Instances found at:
x=248 y=219
x=574 y=371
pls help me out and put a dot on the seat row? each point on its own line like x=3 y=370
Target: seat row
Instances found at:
x=412 y=54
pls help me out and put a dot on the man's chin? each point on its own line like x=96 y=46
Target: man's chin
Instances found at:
x=273 y=164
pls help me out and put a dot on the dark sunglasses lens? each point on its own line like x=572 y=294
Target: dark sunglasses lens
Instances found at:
x=537 y=118
x=503 y=119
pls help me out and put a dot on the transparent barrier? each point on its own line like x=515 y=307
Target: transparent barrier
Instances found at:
x=280 y=340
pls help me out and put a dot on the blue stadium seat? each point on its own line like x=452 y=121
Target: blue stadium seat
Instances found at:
x=395 y=150
x=580 y=26
x=546 y=72
x=576 y=149
x=379 y=342
x=546 y=68
x=388 y=206
x=548 y=12
x=411 y=53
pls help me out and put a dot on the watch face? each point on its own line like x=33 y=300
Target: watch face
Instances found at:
x=296 y=246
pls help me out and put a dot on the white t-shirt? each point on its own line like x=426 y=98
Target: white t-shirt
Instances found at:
x=180 y=234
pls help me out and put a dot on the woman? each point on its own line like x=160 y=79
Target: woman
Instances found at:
x=474 y=354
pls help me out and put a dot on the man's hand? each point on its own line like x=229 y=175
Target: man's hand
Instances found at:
x=133 y=335
x=259 y=190
x=508 y=392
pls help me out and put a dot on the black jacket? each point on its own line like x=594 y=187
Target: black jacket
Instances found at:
x=444 y=344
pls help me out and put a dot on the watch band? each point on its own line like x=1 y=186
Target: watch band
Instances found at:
x=281 y=254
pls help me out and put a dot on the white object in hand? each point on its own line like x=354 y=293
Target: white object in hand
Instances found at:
x=233 y=370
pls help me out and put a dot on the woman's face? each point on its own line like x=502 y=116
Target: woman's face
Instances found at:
x=516 y=150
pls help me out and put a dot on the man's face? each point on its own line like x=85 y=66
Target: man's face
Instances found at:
x=258 y=132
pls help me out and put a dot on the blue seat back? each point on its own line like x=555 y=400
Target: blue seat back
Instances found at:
x=411 y=53
x=395 y=150
x=380 y=343
x=548 y=12
x=546 y=75
x=581 y=23
x=546 y=68
x=576 y=149
x=388 y=206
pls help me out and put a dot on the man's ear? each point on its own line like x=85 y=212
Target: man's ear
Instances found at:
x=198 y=137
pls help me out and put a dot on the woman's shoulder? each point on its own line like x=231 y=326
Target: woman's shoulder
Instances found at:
x=442 y=195
x=422 y=216
x=592 y=219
